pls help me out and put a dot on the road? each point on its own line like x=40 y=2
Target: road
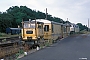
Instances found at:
x=70 y=48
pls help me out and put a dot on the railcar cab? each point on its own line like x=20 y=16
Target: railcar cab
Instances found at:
x=46 y=27
x=74 y=28
x=51 y=29
x=32 y=30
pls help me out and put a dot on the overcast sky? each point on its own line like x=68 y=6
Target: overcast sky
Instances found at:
x=77 y=11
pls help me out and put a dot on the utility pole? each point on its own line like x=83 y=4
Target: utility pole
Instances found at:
x=67 y=27
x=23 y=27
x=67 y=20
x=46 y=13
x=88 y=24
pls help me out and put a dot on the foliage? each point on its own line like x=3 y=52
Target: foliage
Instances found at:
x=82 y=27
x=14 y=15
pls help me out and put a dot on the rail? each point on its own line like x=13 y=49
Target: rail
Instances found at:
x=9 y=40
x=9 y=46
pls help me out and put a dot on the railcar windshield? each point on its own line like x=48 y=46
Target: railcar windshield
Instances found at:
x=27 y=25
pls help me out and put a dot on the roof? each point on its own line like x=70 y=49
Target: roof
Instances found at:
x=43 y=20
x=15 y=28
x=74 y=24
x=67 y=24
x=33 y=22
x=47 y=21
x=57 y=23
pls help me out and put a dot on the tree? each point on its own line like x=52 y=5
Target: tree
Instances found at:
x=14 y=15
x=82 y=27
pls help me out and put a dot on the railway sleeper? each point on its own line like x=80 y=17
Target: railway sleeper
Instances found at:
x=7 y=51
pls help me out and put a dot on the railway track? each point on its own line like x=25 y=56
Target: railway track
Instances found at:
x=9 y=46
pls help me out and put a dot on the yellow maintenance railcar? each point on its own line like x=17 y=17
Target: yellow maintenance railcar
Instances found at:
x=54 y=30
x=32 y=32
x=43 y=30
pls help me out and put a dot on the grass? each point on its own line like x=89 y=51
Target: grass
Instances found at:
x=4 y=35
x=84 y=32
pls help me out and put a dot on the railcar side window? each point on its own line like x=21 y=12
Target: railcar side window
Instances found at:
x=46 y=28
x=77 y=26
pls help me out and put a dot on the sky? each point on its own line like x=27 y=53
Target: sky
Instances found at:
x=77 y=11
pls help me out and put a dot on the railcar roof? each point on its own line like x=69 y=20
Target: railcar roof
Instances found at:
x=56 y=23
x=47 y=21
x=33 y=22
x=67 y=24
x=15 y=28
x=43 y=20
